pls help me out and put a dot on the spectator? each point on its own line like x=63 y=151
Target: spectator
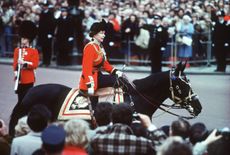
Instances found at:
x=46 y=27
x=77 y=140
x=103 y=113
x=7 y=18
x=175 y=145
x=198 y=133
x=220 y=41
x=200 y=148
x=141 y=41
x=128 y=30
x=157 y=44
x=185 y=30
x=119 y=138
x=180 y=128
x=87 y=23
x=22 y=127
x=220 y=145
x=53 y=141
x=64 y=37
x=4 y=139
x=38 y=119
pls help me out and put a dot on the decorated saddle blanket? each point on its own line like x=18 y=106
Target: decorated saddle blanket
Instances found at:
x=108 y=94
x=67 y=113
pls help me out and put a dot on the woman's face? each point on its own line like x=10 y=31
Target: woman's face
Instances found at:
x=100 y=36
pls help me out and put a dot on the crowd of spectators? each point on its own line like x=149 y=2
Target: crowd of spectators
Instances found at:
x=126 y=18
x=120 y=130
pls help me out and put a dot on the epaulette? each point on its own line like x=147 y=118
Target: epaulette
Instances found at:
x=93 y=44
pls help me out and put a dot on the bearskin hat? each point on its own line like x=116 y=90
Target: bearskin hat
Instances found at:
x=97 y=27
x=28 y=29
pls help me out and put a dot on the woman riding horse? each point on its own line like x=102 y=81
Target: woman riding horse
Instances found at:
x=94 y=61
x=146 y=95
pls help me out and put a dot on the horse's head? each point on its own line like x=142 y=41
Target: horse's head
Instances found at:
x=181 y=91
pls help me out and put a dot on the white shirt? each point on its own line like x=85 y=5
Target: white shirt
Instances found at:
x=27 y=144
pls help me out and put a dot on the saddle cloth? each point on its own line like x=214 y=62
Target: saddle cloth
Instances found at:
x=65 y=113
x=107 y=94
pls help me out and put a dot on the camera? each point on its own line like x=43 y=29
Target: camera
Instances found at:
x=136 y=117
x=225 y=132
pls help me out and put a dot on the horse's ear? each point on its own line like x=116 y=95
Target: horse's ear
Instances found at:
x=183 y=66
x=178 y=68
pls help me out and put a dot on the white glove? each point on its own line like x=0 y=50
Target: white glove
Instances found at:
x=162 y=49
x=111 y=43
x=49 y=36
x=21 y=62
x=70 y=39
x=119 y=73
x=90 y=91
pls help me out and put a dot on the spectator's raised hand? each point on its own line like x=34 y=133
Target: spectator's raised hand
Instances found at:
x=212 y=137
x=3 y=128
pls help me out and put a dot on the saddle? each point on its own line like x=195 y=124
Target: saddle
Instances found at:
x=108 y=94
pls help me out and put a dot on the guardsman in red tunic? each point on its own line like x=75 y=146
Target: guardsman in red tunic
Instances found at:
x=25 y=58
x=93 y=63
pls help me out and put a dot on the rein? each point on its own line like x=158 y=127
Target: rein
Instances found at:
x=169 y=106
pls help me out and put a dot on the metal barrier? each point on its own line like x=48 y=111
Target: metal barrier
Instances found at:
x=126 y=51
x=170 y=55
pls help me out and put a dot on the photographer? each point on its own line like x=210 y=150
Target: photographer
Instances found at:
x=152 y=132
x=201 y=147
x=120 y=135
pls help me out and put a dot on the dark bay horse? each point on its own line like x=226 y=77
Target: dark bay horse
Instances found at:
x=147 y=95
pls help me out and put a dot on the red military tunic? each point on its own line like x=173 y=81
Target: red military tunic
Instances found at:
x=94 y=59
x=27 y=74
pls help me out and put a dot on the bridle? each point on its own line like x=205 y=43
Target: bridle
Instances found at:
x=177 y=100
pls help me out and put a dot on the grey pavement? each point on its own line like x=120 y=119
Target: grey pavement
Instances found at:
x=202 y=69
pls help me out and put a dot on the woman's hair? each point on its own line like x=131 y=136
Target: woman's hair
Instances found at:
x=97 y=27
x=77 y=133
x=175 y=145
x=22 y=127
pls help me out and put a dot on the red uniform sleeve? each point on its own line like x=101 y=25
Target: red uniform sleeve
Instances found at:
x=15 y=62
x=108 y=67
x=34 y=59
x=87 y=63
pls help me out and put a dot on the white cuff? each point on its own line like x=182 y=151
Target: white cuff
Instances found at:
x=152 y=127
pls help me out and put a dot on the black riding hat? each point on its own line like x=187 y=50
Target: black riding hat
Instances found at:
x=97 y=27
x=28 y=29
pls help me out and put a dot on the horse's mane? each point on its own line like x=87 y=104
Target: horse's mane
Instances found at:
x=153 y=82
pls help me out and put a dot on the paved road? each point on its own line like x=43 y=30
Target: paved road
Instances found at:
x=213 y=90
